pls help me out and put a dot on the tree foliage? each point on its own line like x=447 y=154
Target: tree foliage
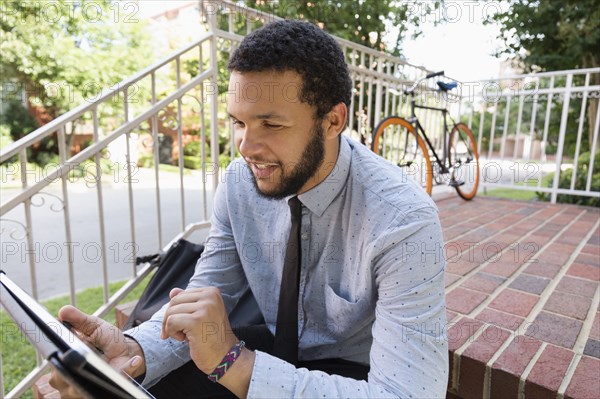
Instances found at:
x=551 y=35
x=554 y=35
x=363 y=22
x=62 y=53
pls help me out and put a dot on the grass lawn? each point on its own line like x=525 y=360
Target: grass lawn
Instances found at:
x=18 y=355
x=516 y=194
x=510 y=193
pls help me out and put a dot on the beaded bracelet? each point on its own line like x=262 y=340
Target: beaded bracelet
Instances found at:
x=227 y=362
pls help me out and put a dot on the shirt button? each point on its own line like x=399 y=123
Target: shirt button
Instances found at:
x=304 y=236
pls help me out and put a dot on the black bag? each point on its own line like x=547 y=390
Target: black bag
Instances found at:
x=175 y=268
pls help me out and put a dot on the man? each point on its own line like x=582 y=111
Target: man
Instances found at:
x=368 y=299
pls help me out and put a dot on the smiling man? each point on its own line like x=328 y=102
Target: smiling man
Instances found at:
x=340 y=249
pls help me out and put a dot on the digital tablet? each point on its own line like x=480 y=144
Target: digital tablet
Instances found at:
x=77 y=362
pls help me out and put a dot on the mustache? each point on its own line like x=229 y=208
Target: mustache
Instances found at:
x=261 y=161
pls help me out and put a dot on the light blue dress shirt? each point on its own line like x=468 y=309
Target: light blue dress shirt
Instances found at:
x=371 y=283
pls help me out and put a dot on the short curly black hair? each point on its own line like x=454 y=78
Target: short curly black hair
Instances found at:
x=304 y=48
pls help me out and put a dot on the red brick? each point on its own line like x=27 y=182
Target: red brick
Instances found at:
x=554 y=257
x=504 y=267
x=538 y=239
x=450 y=315
x=543 y=269
x=501 y=319
x=574 y=285
x=548 y=372
x=42 y=388
x=564 y=248
x=507 y=370
x=585 y=271
x=460 y=266
x=569 y=238
x=594 y=239
x=489 y=251
x=473 y=361
x=464 y=301
x=451 y=278
x=514 y=302
x=459 y=332
x=547 y=232
x=592 y=348
x=529 y=283
x=483 y=282
x=568 y=305
x=591 y=249
x=586 y=380
x=588 y=259
x=595 y=331
x=556 y=329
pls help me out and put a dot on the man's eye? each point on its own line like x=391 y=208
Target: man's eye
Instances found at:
x=237 y=123
x=272 y=126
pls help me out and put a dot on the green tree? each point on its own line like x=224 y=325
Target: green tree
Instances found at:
x=553 y=35
x=62 y=53
x=363 y=22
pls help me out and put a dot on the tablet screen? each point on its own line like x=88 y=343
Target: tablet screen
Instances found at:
x=71 y=357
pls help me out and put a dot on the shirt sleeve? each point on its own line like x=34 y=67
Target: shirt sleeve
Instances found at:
x=409 y=355
x=219 y=266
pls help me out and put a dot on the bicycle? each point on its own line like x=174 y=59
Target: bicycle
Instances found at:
x=405 y=143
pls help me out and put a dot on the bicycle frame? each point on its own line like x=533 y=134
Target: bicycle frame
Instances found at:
x=418 y=128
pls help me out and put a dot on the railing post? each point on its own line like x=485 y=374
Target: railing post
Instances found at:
x=63 y=153
x=561 y=136
x=214 y=121
x=29 y=225
x=378 y=93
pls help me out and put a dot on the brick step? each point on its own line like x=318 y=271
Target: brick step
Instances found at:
x=122 y=313
x=42 y=388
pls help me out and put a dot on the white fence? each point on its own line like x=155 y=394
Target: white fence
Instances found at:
x=538 y=132
x=124 y=210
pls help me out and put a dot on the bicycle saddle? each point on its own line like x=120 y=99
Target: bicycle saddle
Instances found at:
x=446 y=86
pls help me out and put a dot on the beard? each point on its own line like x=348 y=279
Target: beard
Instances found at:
x=294 y=176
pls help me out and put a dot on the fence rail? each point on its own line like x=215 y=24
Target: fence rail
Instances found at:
x=538 y=132
x=145 y=207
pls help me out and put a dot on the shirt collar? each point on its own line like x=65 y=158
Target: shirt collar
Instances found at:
x=318 y=198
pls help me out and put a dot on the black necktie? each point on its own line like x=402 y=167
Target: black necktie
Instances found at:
x=286 y=336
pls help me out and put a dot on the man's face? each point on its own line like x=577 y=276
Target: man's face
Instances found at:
x=275 y=132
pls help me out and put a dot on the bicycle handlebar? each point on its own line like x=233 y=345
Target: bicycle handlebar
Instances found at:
x=411 y=90
x=434 y=74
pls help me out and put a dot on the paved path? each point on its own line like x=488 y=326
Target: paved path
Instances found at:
x=50 y=244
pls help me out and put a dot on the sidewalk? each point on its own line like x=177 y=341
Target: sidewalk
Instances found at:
x=522 y=292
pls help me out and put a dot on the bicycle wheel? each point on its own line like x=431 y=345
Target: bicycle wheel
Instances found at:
x=395 y=139
x=464 y=161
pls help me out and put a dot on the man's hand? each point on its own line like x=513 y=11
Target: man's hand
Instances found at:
x=121 y=352
x=198 y=316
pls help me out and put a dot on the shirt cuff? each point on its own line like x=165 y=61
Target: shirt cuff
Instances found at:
x=262 y=383
x=161 y=356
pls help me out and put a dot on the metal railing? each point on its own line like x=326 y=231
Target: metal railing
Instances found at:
x=537 y=132
x=136 y=114
x=171 y=97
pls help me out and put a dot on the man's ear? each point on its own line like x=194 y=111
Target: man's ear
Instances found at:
x=335 y=120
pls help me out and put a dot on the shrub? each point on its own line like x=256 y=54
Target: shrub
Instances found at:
x=192 y=162
x=583 y=163
x=145 y=161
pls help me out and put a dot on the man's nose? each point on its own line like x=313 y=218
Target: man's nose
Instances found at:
x=249 y=141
